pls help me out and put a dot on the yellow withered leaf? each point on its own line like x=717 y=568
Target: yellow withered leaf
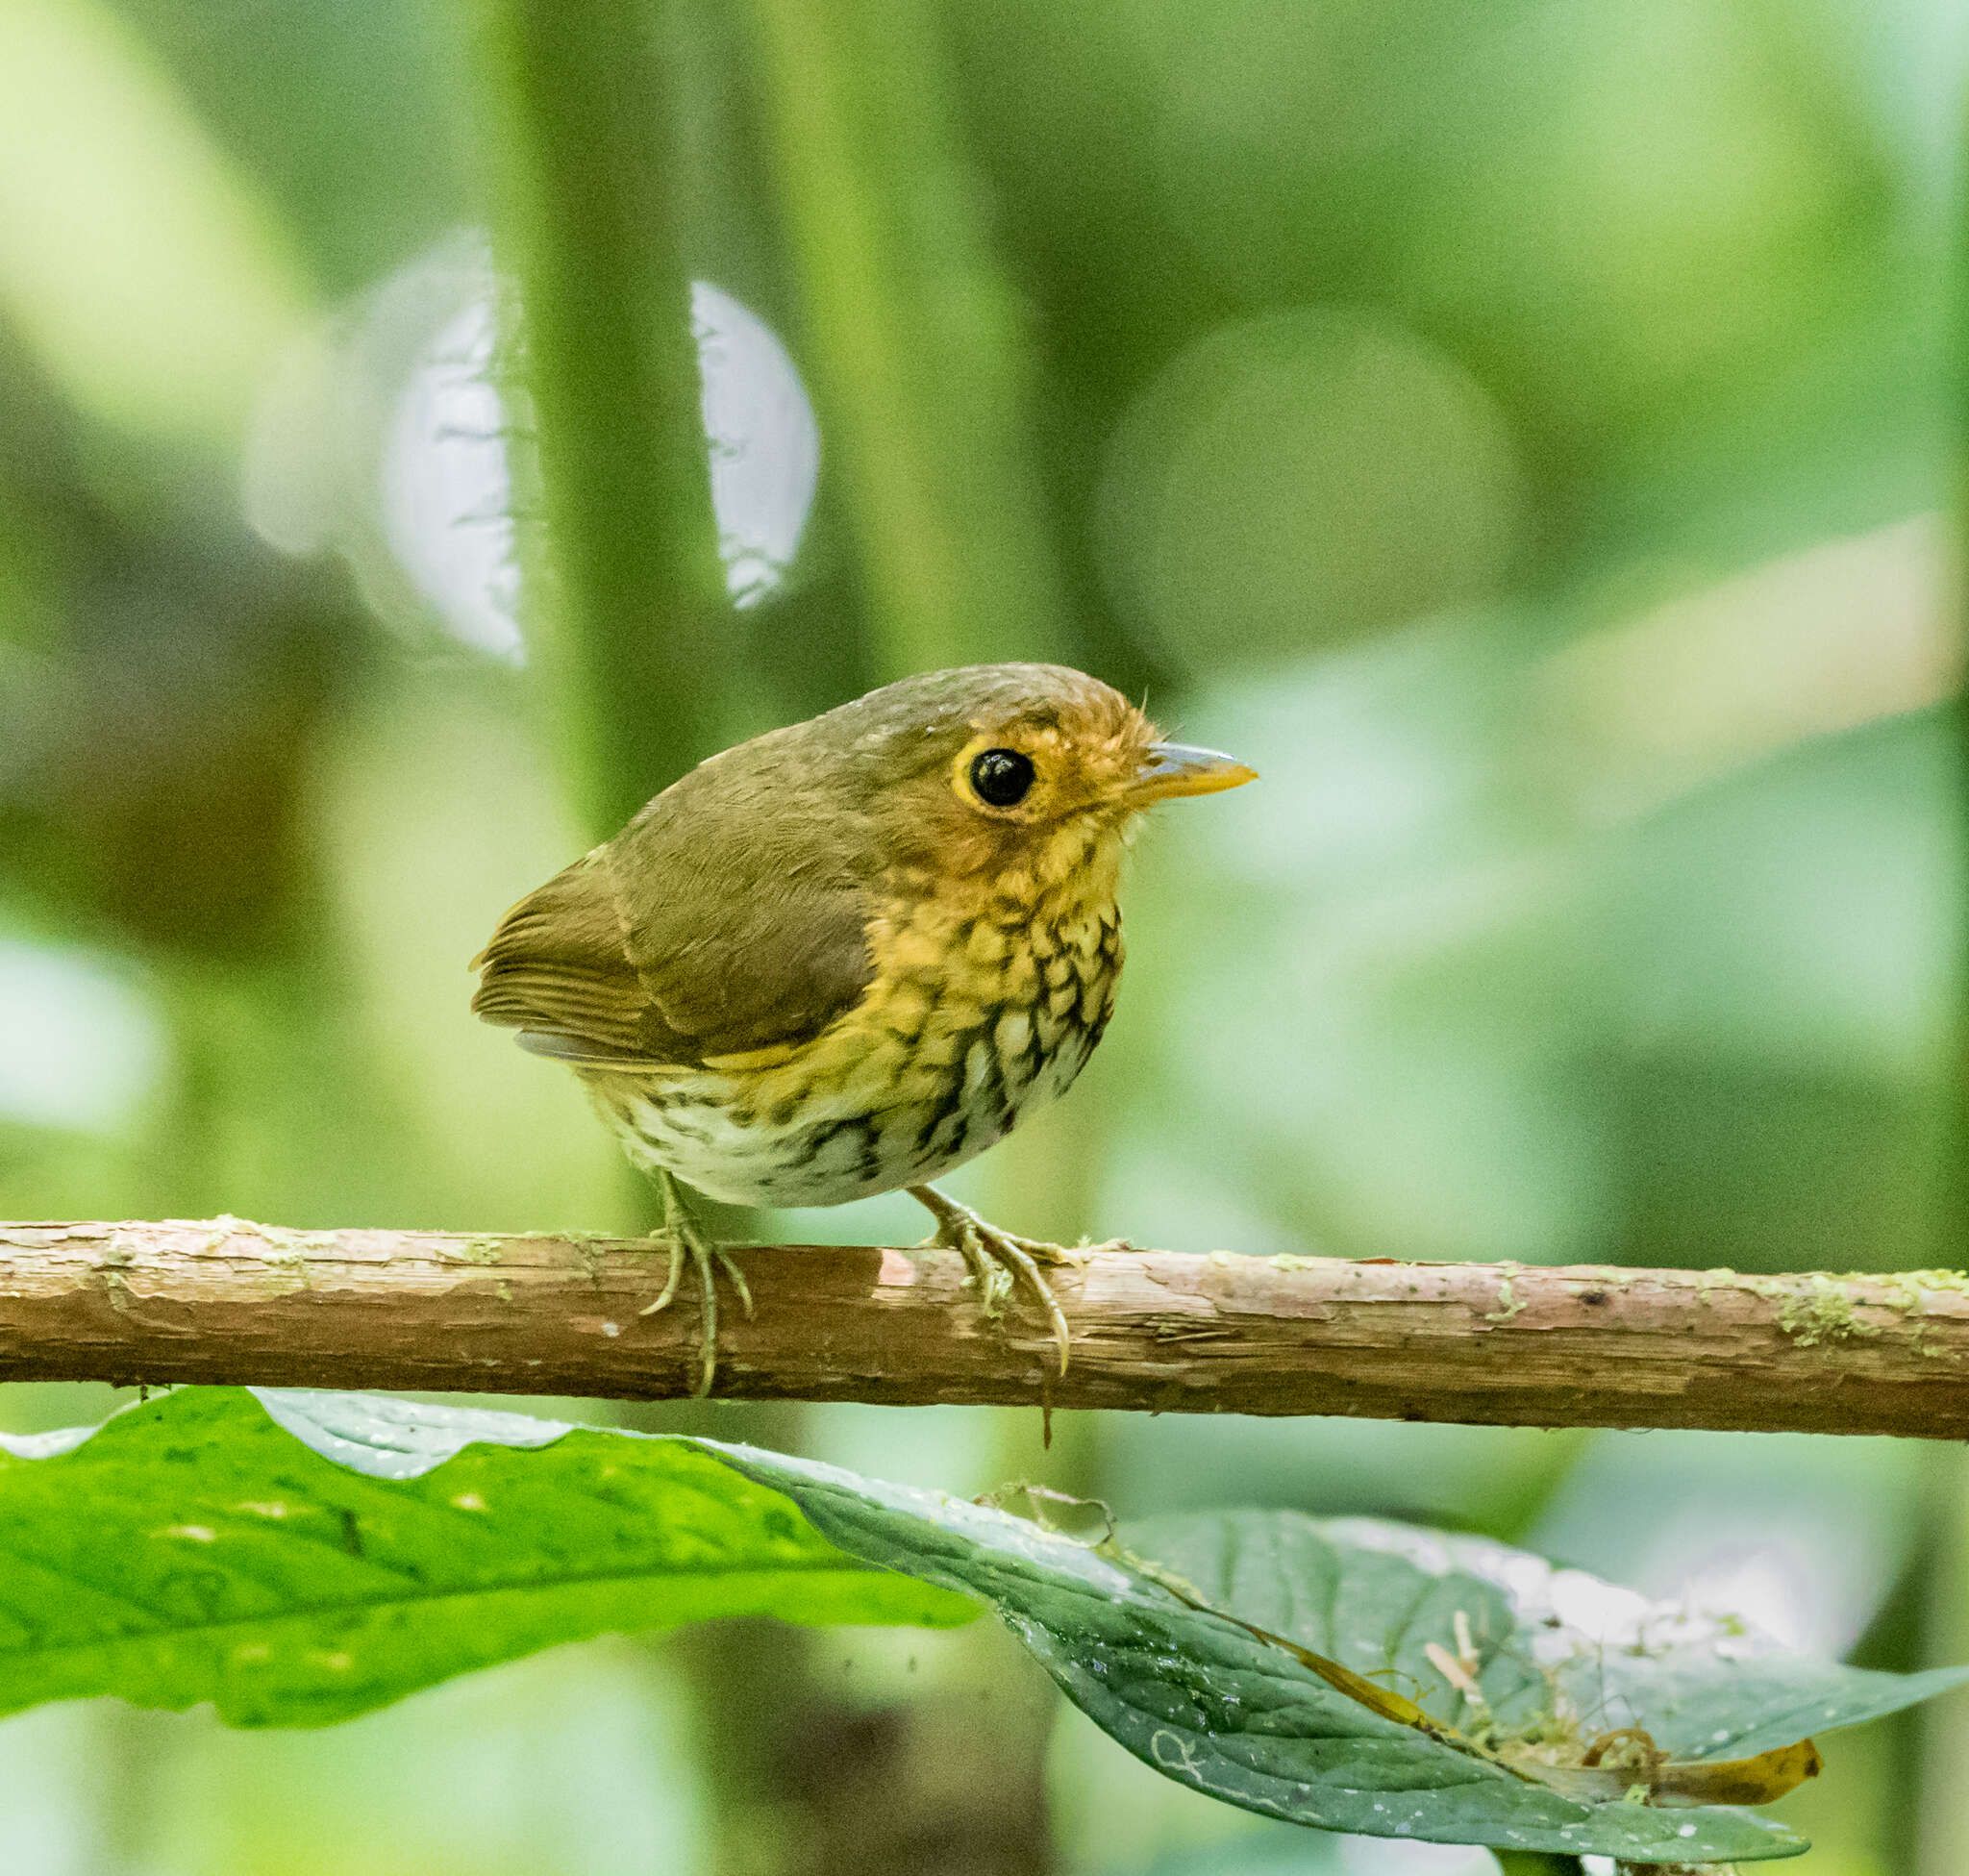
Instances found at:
x=1601 y=1777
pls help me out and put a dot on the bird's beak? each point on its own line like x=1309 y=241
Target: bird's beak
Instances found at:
x=1172 y=768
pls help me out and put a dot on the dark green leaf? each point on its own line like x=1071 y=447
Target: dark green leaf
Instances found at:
x=1212 y=1706
x=1374 y=1595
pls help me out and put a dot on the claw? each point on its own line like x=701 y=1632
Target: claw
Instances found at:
x=686 y=1240
x=676 y=1275
x=737 y=1276
x=997 y=1259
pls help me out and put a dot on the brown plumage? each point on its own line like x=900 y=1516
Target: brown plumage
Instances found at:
x=846 y=956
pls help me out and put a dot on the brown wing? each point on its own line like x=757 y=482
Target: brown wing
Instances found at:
x=666 y=948
x=559 y=965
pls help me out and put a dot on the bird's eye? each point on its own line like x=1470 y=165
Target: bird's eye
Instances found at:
x=1002 y=777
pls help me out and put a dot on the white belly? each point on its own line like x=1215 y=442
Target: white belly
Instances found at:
x=852 y=1134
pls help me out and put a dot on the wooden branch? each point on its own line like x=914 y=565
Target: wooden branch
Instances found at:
x=1495 y=1343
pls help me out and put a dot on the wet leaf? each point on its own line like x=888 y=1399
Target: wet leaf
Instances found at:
x=1368 y=1736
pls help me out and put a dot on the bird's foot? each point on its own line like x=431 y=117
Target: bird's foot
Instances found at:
x=998 y=1259
x=681 y=1236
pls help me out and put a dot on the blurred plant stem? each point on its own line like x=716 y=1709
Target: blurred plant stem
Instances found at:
x=134 y=1760
x=810 y=1778
x=1935 y=1745
x=1941 y=1841
x=922 y=377
x=623 y=585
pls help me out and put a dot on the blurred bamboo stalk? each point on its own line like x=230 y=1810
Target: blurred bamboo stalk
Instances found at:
x=1487 y=1344
x=624 y=587
x=912 y=334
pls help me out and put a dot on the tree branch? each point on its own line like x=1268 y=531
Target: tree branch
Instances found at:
x=1495 y=1343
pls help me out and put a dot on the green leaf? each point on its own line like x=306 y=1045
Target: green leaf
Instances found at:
x=298 y=1557
x=1205 y=1701
x=1374 y=1595
x=192 y=1550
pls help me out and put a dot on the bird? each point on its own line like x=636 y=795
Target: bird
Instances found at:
x=849 y=955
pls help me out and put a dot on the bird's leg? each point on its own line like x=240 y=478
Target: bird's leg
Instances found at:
x=684 y=1237
x=998 y=1258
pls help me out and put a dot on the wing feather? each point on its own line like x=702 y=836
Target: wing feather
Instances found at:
x=686 y=937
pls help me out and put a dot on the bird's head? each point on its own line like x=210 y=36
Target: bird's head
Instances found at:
x=1010 y=769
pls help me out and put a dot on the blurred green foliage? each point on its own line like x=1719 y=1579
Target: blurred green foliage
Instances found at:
x=1508 y=426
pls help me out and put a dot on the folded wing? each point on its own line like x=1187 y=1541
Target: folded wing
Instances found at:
x=658 y=952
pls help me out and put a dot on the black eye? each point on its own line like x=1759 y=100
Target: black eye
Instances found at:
x=1003 y=777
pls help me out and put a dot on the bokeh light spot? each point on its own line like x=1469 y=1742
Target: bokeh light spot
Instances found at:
x=447 y=486
x=1303 y=478
x=83 y=1051
x=395 y=442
